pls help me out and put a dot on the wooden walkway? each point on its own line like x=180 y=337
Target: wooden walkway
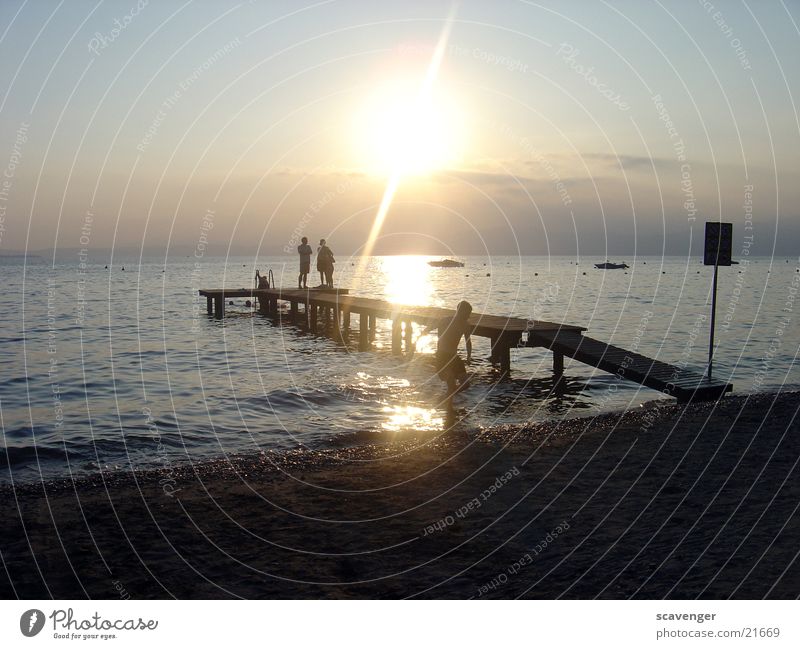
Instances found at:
x=673 y=380
x=331 y=309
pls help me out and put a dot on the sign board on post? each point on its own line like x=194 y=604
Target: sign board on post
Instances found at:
x=719 y=244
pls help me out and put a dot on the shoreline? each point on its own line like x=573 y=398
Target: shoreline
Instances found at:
x=703 y=503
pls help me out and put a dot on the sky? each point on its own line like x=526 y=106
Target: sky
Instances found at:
x=580 y=128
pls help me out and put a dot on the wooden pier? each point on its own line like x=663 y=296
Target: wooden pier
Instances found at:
x=330 y=310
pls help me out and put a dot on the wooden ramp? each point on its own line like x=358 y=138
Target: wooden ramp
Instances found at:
x=672 y=380
x=330 y=310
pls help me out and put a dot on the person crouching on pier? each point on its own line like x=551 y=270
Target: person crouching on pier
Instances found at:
x=449 y=366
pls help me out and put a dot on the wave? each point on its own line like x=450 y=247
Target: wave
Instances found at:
x=20 y=455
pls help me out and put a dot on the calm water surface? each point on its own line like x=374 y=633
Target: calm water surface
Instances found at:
x=123 y=368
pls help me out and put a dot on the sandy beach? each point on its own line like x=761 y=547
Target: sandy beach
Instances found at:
x=664 y=501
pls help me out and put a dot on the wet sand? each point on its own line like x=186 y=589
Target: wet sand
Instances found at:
x=667 y=501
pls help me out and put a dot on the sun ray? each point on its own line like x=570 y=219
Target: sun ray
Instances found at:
x=393 y=182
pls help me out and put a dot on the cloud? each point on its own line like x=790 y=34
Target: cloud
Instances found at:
x=631 y=162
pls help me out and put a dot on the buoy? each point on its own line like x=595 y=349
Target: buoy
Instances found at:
x=230 y=303
x=248 y=303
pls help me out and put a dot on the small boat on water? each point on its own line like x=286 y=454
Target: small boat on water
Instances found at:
x=446 y=263
x=611 y=266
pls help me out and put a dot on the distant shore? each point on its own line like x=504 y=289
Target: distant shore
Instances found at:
x=663 y=501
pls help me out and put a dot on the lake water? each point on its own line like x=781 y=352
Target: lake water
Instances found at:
x=123 y=369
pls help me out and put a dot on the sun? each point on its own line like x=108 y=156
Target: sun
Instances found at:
x=398 y=129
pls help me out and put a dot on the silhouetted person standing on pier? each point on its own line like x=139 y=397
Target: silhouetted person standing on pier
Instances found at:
x=305 y=252
x=325 y=262
x=449 y=366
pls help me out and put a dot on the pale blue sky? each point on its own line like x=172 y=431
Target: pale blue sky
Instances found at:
x=266 y=128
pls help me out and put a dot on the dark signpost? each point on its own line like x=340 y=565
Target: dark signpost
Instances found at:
x=717 y=252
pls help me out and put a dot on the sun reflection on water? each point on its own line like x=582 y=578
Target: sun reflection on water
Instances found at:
x=407 y=280
x=401 y=418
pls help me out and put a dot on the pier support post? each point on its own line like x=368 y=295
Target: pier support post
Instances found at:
x=263 y=305
x=219 y=307
x=313 y=317
x=293 y=311
x=346 y=319
x=372 y=320
x=409 y=334
x=208 y=304
x=494 y=357
x=397 y=337
x=558 y=366
x=505 y=358
x=363 y=332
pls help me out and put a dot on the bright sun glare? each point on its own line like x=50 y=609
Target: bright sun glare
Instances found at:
x=400 y=130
